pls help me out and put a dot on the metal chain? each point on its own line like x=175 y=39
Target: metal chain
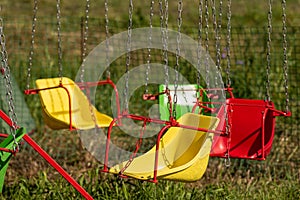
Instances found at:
x=59 y=48
x=285 y=60
x=164 y=32
x=268 y=98
x=149 y=46
x=166 y=37
x=8 y=85
x=177 y=66
x=31 y=52
x=217 y=28
x=228 y=82
x=228 y=43
x=129 y=32
x=106 y=39
x=200 y=22
x=206 y=43
x=85 y=37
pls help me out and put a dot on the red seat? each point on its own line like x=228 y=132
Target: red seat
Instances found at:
x=250 y=134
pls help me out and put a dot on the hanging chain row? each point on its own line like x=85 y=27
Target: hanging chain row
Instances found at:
x=149 y=45
x=268 y=67
x=31 y=52
x=129 y=32
x=85 y=37
x=8 y=85
x=285 y=60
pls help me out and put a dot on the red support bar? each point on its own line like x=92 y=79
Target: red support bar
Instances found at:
x=8 y=150
x=57 y=167
x=3 y=135
x=161 y=132
x=6 y=118
x=150 y=97
x=70 y=105
x=105 y=168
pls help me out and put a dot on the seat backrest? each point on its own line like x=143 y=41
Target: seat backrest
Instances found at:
x=181 y=144
x=186 y=100
x=248 y=120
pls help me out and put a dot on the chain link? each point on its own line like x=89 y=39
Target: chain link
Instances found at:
x=31 y=52
x=285 y=59
x=129 y=32
x=85 y=37
x=59 y=48
x=106 y=39
x=217 y=28
x=268 y=98
x=199 y=47
x=149 y=46
x=228 y=43
x=177 y=66
x=206 y=44
x=164 y=32
x=8 y=85
x=228 y=83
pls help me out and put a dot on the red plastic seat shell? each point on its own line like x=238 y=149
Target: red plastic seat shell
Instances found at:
x=251 y=130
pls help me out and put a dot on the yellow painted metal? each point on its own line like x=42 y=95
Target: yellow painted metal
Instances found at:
x=183 y=153
x=55 y=105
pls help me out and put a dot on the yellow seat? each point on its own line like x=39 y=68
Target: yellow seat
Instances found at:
x=183 y=153
x=55 y=105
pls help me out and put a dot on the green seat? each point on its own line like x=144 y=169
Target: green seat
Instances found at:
x=186 y=99
x=8 y=143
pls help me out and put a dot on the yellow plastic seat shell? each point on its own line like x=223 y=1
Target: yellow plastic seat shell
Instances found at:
x=183 y=153
x=55 y=105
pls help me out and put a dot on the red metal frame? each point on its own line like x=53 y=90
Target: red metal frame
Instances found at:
x=85 y=85
x=48 y=158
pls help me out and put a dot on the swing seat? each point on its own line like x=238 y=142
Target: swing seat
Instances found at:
x=186 y=100
x=183 y=153
x=5 y=157
x=251 y=130
x=60 y=109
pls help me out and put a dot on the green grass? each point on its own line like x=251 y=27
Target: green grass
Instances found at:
x=111 y=188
